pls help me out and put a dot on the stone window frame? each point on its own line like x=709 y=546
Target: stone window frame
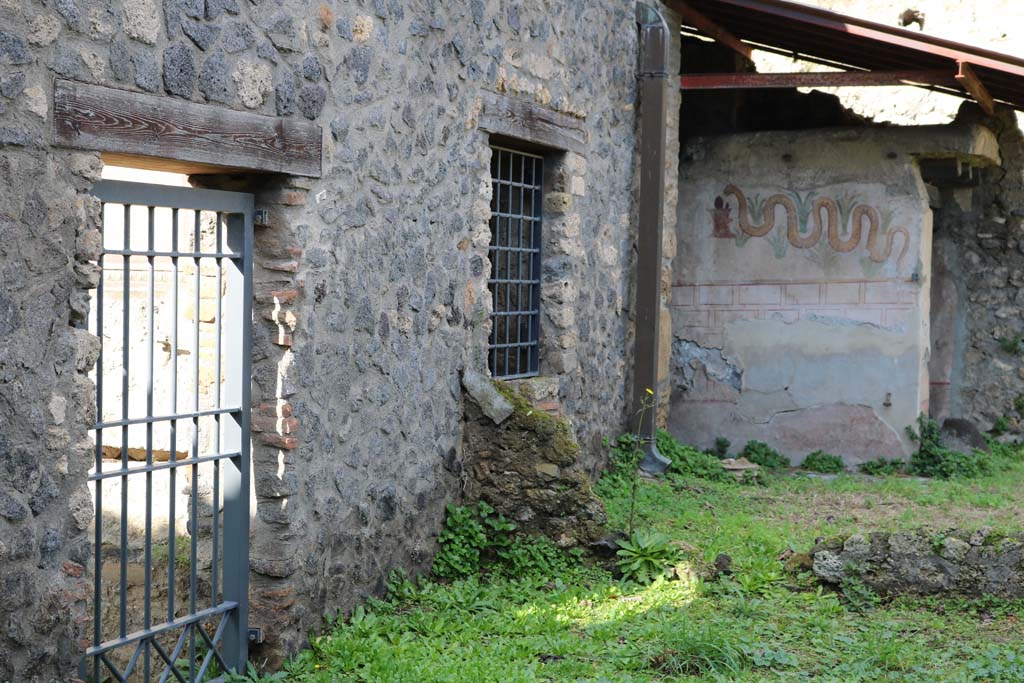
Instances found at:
x=562 y=141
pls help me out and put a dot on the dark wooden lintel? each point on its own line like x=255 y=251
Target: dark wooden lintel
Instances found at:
x=521 y=120
x=104 y=119
x=816 y=79
x=968 y=79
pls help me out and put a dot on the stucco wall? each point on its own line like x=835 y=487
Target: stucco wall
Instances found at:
x=383 y=263
x=792 y=323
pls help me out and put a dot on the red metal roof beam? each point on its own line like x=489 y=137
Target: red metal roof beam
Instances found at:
x=816 y=79
x=970 y=82
x=699 y=21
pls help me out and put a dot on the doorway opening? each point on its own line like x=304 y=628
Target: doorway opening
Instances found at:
x=170 y=480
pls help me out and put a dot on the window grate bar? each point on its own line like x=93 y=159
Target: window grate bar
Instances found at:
x=147 y=616
x=519 y=274
x=525 y=217
x=173 y=473
x=158 y=466
x=532 y=251
x=125 y=328
x=165 y=418
x=501 y=313
x=512 y=345
x=513 y=184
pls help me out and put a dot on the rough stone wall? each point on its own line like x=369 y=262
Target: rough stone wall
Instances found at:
x=925 y=562
x=979 y=268
x=801 y=296
x=373 y=277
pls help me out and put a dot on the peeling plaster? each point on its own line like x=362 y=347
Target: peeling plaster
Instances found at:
x=690 y=356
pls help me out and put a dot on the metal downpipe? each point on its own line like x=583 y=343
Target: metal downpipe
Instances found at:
x=653 y=79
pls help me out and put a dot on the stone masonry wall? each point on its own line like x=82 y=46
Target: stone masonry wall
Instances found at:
x=371 y=282
x=979 y=266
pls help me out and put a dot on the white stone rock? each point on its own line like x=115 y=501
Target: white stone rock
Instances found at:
x=142 y=21
x=254 y=82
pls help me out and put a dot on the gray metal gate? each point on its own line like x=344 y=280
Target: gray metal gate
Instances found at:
x=170 y=604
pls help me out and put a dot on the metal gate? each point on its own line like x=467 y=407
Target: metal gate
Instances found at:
x=172 y=312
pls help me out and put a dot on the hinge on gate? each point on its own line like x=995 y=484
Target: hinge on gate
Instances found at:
x=255 y=635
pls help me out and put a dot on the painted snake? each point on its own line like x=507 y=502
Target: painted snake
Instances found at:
x=828 y=207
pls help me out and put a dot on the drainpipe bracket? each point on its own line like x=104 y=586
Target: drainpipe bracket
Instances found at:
x=654 y=462
x=654 y=42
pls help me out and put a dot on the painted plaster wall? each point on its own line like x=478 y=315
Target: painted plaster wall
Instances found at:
x=800 y=339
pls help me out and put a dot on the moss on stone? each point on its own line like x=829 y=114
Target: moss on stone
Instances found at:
x=530 y=419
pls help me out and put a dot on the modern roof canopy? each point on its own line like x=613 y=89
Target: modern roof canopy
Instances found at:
x=869 y=53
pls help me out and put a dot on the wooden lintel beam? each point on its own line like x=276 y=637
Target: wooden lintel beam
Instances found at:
x=814 y=79
x=529 y=122
x=102 y=119
x=713 y=30
x=969 y=81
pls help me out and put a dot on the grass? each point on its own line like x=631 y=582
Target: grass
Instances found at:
x=760 y=624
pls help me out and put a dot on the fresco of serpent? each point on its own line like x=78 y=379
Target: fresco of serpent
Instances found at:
x=809 y=218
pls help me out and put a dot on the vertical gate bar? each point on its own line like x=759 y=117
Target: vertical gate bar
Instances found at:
x=215 y=566
x=151 y=343
x=126 y=312
x=238 y=392
x=194 y=510
x=173 y=471
x=98 y=490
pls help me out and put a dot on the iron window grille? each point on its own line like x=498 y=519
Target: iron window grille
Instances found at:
x=517 y=179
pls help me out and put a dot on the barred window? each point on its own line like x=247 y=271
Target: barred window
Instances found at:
x=516 y=182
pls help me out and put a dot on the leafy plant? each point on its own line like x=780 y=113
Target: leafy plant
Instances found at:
x=721 y=448
x=997 y=664
x=253 y=676
x=858 y=594
x=528 y=556
x=760 y=453
x=699 y=652
x=933 y=459
x=1012 y=345
x=825 y=463
x=1001 y=426
x=646 y=557
x=883 y=467
x=470 y=533
x=689 y=461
